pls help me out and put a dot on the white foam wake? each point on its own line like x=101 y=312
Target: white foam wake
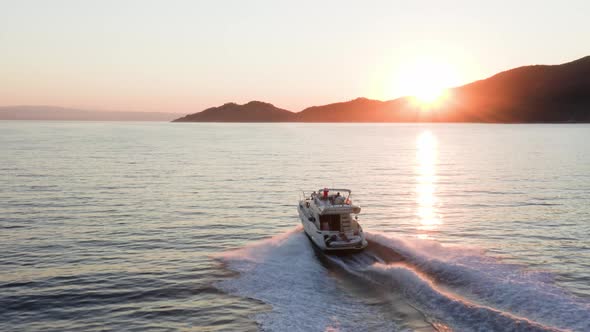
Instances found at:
x=507 y=288
x=457 y=287
x=283 y=272
x=438 y=305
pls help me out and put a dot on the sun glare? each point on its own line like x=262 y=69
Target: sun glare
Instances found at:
x=426 y=151
x=427 y=80
x=429 y=94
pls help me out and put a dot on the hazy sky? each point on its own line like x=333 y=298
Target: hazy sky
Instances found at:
x=184 y=56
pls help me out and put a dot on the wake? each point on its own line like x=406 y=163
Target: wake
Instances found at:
x=283 y=272
x=507 y=288
x=454 y=287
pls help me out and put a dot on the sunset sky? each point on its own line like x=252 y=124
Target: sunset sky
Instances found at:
x=184 y=56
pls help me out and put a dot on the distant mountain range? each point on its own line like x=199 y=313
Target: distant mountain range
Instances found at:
x=60 y=113
x=540 y=93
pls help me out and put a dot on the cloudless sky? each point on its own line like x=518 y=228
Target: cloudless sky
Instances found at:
x=184 y=56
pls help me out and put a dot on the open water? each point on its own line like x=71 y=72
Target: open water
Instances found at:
x=185 y=226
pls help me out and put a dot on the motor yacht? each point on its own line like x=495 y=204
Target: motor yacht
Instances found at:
x=330 y=220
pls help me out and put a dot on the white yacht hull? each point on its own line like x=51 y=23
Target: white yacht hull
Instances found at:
x=318 y=237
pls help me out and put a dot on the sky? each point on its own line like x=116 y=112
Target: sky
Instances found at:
x=185 y=56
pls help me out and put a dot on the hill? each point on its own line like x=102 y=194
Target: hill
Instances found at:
x=70 y=114
x=254 y=111
x=539 y=93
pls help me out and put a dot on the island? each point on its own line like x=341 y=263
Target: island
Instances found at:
x=529 y=94
x=254 y=111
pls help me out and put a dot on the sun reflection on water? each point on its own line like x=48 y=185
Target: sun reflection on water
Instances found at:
x=426 y=154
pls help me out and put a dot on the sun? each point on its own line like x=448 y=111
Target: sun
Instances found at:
x=427 y=80
x=429 y=94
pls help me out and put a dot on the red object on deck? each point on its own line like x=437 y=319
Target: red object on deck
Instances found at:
x=325 y=192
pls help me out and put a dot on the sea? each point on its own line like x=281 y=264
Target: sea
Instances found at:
x=153 y=226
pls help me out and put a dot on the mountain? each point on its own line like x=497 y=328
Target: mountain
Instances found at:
x=254 y=111
x=67 y=114
x=357 y=110
x=539 y=93
x=361 y=110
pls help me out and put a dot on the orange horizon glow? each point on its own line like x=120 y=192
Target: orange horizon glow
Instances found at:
x=427 y=81
x=128 y=56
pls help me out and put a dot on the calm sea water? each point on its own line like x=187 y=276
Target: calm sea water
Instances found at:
x=161 y=226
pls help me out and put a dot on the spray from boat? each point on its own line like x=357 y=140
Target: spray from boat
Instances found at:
x=455 y=287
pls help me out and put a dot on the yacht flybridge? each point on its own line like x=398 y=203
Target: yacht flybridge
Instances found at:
x=327 y=218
